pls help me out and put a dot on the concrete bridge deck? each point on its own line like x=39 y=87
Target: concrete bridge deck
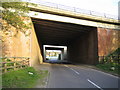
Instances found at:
x=73 y=15
x=63 y=10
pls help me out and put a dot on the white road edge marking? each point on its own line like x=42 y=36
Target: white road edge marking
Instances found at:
x=72 y=69
x=94 y=84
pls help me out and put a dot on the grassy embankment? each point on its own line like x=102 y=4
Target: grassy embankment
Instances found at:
x=113 y=65
x=23 y=78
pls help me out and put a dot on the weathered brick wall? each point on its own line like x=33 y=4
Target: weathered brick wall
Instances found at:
x=108 y=41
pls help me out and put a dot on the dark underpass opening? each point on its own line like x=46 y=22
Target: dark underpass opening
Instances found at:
x=55 y=54
x=81 y=41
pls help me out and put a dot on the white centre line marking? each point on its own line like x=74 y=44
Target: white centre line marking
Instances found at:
x=66 y=66
x=72 y=69
x=94 y=84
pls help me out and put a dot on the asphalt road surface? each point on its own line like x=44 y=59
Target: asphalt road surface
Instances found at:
x=71 y=76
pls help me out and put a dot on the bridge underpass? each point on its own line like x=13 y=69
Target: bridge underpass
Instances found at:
x=81 y=41
x=55 y=54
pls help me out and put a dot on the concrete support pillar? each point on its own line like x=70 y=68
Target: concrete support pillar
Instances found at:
x=36 y=56
x=92 y=47
x=62 y=54
x=65 y=53
x=84 y=49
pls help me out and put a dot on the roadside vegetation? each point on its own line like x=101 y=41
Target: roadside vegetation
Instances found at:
x=111 y=63
x=22 y=78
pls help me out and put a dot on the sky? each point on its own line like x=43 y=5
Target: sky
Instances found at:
x=102 y=6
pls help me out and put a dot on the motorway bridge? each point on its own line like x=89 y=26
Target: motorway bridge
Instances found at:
x=86 y=34
x=81 y=36
x=80 y=30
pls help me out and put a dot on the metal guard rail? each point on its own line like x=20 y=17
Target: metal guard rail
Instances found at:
x=73 y=9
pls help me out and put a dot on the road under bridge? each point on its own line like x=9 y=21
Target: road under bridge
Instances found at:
x=81 y=41
x=85 y=36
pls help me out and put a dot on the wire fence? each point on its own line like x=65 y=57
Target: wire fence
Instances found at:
x=73 y=9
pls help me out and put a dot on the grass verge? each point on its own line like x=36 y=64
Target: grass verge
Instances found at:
x=23 y=78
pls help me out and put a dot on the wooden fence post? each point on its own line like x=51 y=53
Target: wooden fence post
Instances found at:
x=15 y=66
x=28 y=61
x=5 y=67
x=21 y=65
